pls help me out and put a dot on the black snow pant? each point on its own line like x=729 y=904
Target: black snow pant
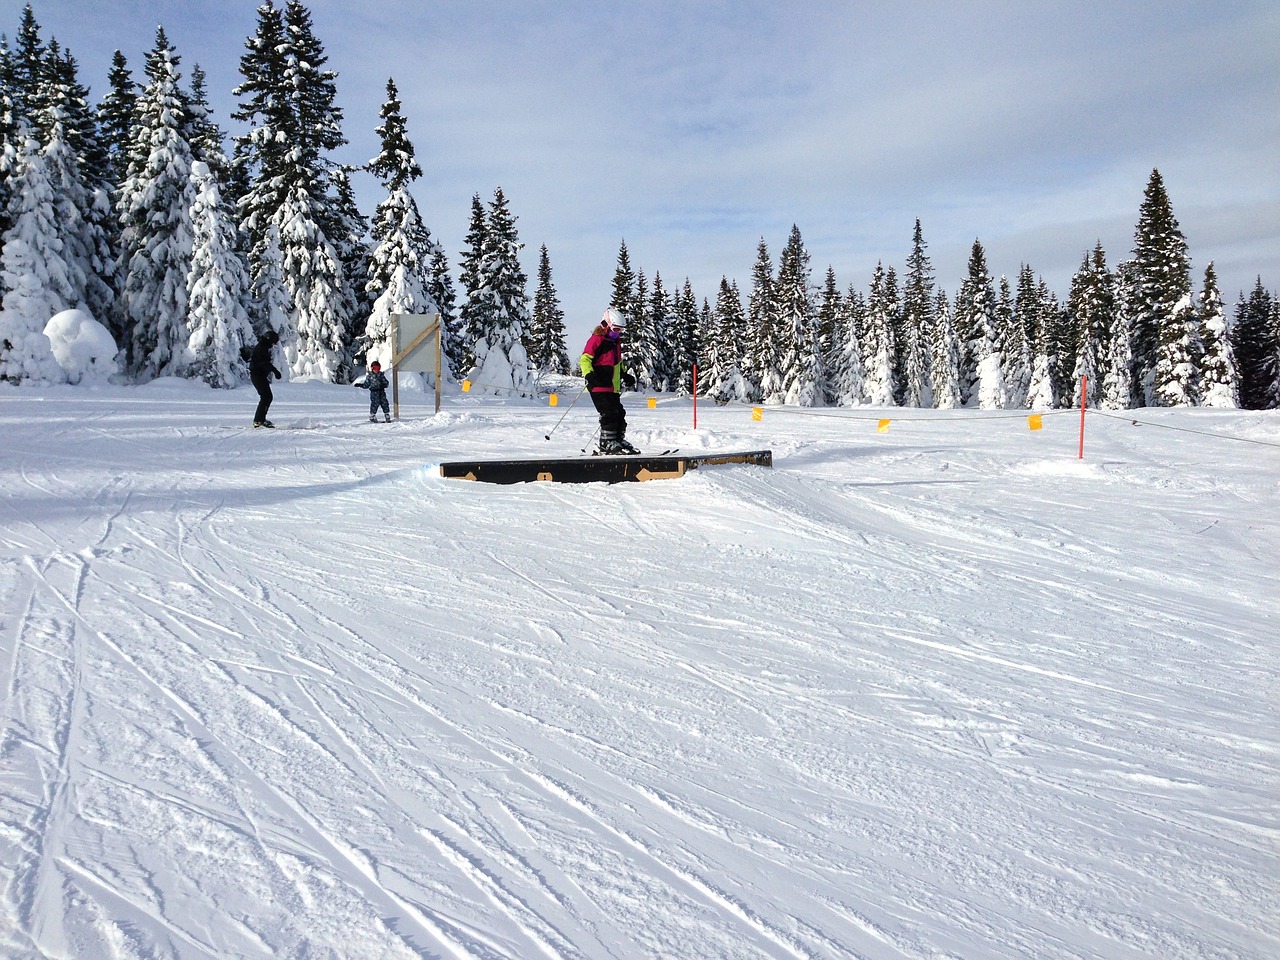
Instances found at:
x=378 y=401
x=613 y=419
x=263 y=386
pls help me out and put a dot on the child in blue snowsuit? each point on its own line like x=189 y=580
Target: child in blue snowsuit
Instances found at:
x=375 y=381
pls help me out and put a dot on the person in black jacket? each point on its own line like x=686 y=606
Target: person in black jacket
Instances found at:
x=260 y=370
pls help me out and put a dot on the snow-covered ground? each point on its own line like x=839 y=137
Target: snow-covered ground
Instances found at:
x=945 y=691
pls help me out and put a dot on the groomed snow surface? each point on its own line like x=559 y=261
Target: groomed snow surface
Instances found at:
x=942 y=692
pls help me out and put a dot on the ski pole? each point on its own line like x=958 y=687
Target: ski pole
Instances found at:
x=590 y=438
x=565 y=414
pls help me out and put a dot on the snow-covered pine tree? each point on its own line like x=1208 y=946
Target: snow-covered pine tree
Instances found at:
x=33 y=274
x=154 y=206
x=764 y=357
x=1162 y=280
x=977 y=330
x=115 y=119
x=501 y=361
x=440 y=286
x=477 y=304
x=1016 y=357
x=683 y=340
x=1091 y=309
x=944 y=356
x=1035 y=316
x=1255 y=339
x=1177 y=373
x=9 y=144
x=917 y=326
x=623 y=295
x=646 y=354
x=217 y=288
x=351 y=240
x=400 y=265
x=724 y=380
x=877 y=339
x=551 y=352
x=846 y=373
x=1118 y=387
x=1219 y=382
x=798 y=323
x=289 y=104
x=269 y=307
x=830 y=337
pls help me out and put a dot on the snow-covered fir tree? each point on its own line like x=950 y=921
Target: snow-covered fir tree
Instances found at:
x=944 y=357
x=1092 y=310
x=877 y=339
x=477 y=296
x=685 y=340
x=829 y=314
x=217 y=288
x=800 y=363
x=288 y=101
x=33 y=274
x=722 y=348
x=846 y=372
x=550 y=351
x=154 y=206
x=400 y=265
x=1177 y=373
x=115 y=118
x=917 y=326
x=1255 y=341
x=1161 y=283
x=623 y=293
x=269 y=307
x=977 y=330
x=1016 y=359
x=501 y=361
x=1218 y=379
x=76 y=164
x=440 y=286
x=646 y=355
x=764 y=356
x=1118 y=388
x=351 y=240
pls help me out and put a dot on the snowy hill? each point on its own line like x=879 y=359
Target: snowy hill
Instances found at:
x=942 y=691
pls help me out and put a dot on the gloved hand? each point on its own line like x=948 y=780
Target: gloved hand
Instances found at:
x=629 y=381
x=278 y=375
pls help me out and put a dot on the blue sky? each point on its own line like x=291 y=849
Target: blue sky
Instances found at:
x=694 y=130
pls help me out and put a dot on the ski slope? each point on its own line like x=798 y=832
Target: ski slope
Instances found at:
x=945 y=691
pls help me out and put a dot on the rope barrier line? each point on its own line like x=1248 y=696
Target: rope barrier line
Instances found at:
x=1165 y=426
x=897 y=413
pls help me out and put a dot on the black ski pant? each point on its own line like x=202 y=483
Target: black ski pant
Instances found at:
x=613 y=419
x=263 y=386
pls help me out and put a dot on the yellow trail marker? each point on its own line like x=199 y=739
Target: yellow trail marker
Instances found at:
x=1035 y=421
x=653 y=402
x=554 y=399
x=757 y=413
x=883 y=426
x=466 y=386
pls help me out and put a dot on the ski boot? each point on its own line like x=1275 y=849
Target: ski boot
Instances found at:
x=625 y=446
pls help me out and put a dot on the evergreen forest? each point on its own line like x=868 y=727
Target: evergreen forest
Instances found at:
x=187 y=242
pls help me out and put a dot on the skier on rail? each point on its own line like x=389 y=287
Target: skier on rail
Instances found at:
x=601 y=364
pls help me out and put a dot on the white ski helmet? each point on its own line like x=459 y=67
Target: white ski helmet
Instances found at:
x=614 y=320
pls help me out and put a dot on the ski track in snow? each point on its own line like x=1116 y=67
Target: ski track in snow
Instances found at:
x=946 y=692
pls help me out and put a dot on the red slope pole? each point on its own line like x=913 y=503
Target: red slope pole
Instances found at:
x=1084 y=402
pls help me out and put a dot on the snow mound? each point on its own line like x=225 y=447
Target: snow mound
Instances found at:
x=84 y=348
